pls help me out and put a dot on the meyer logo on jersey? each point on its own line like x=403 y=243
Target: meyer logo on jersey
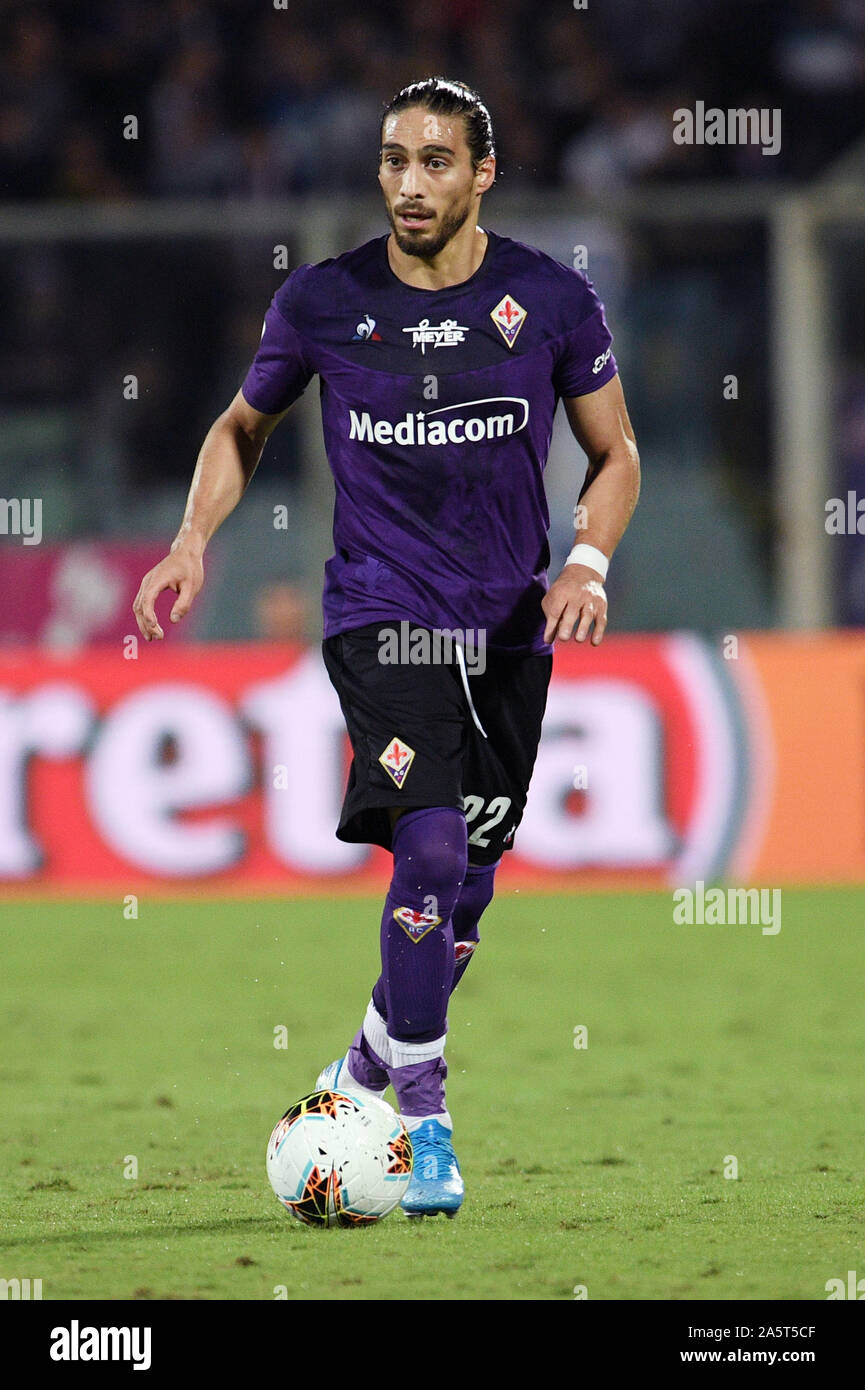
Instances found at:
x=509 y=417
x=448 y=334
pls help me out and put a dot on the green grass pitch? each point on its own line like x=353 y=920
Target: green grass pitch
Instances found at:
x=601 y=1166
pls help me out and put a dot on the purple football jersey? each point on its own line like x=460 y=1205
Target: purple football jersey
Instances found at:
x=437 y=408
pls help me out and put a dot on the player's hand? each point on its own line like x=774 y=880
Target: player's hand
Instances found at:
x=183 y=572
x=573 y=603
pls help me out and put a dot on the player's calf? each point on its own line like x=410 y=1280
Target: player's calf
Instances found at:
x=475 y=897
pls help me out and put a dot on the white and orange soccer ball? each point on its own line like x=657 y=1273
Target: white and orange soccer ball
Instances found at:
x=337 y=1160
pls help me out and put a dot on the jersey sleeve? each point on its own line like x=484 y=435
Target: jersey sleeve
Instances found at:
x=280 y=371
x=585 y=360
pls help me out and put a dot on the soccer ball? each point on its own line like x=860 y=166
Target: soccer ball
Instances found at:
x=337 y=1160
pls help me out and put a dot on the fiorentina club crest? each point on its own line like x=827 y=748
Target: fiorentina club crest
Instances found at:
x=396 y=760
x=508 y=317
x=415 y=924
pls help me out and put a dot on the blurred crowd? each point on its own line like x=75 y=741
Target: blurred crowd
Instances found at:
x=252 y=98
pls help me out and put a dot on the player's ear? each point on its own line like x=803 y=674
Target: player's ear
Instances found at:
x=485 y=174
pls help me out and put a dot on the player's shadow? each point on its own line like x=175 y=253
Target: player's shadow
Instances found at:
x=249 y=1223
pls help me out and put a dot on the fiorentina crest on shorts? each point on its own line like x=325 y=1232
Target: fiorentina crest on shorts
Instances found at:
x=508 y=317
x=396 y=760
x=415 y=924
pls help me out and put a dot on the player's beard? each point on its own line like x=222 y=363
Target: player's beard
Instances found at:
x=428 y=242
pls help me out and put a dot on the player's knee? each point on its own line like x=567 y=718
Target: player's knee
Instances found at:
x=443 y=863
x=437 y=870
x=430 y=856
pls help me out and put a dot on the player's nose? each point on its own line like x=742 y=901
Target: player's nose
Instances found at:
x=410 y=186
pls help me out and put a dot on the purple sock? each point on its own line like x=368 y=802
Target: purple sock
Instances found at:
x=417 y=952
x=365 y=1064
x=420 y=1087
x=475 y=897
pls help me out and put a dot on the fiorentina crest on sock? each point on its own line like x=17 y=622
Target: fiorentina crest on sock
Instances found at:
x=415 y=924
x=396 y=760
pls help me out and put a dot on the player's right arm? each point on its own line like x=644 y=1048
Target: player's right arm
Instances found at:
x=229 y=456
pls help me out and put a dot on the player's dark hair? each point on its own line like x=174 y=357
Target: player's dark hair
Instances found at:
x=445 y=96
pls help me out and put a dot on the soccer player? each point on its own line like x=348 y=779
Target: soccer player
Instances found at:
x=442 y=351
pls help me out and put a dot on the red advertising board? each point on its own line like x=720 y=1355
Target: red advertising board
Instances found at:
x=664 y=760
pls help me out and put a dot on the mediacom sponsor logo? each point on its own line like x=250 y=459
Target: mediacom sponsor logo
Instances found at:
x=422 y=429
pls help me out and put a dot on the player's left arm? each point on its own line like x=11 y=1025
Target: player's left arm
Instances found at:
x=600 y=424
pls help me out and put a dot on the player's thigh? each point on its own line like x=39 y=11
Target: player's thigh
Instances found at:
x=406 y=723
x=509 y=699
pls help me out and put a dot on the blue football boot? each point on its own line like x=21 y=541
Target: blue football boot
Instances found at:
x=436 y=1183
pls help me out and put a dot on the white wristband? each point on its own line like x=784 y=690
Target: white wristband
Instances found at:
x=592 y=557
